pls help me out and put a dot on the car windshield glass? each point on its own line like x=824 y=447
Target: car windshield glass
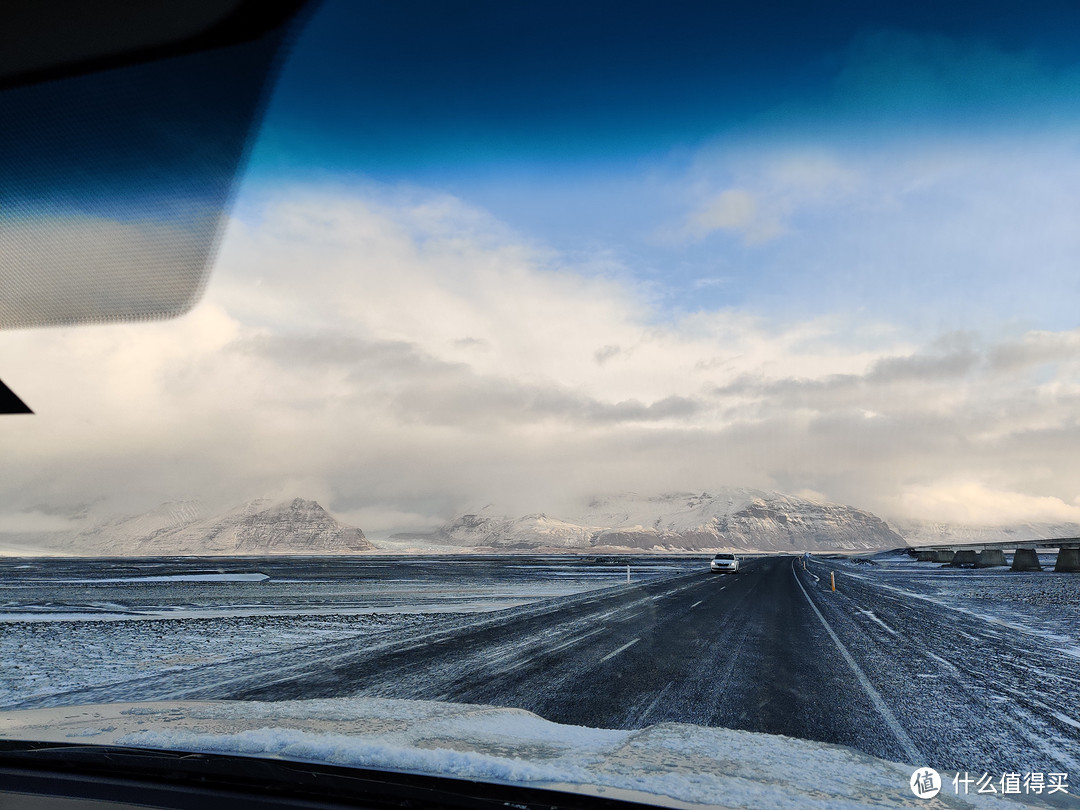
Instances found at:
x=520 y=312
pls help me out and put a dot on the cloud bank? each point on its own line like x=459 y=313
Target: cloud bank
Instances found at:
x=402 y=359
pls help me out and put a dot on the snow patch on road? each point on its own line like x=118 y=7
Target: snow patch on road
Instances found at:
x=249 y=577
x=873 y=617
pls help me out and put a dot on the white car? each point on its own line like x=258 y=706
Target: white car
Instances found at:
x=727 y=563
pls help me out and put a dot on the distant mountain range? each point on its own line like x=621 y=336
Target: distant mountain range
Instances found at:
x=180 y=528
x=730 y=518
x=925 y=532
x=724 y=519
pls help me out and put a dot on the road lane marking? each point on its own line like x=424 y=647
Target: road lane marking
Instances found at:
x=625 y=646
x=696 y=603
x=902 y=737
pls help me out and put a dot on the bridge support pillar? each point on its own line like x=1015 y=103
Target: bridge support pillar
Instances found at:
x=966 y=556
x=1068 y=559
x=1026 y=559
x=925 y=556
x=989 y=557
x=944 y=556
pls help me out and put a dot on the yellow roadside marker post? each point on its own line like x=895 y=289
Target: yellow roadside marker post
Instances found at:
x=832 y=579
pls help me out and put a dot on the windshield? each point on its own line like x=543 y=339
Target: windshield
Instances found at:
x=521 y=314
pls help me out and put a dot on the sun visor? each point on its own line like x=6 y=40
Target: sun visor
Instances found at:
x=123 y=127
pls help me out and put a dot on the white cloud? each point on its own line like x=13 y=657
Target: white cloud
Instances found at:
x=754 y=192
x=400 y=361
x=734 y=209
x=973 y=503
x=33 y=521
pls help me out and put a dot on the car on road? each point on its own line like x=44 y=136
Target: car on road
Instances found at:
x=728 y=563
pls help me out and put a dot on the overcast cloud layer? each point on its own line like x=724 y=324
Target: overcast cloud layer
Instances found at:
x=402 y=356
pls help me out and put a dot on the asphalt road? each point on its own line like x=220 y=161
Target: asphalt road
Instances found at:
x=771 y=649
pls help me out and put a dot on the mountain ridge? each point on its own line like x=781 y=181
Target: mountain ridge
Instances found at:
x=928 y=532
x=732 y=518
x=181 y=528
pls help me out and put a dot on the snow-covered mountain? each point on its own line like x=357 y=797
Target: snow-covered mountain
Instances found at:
x=261 y=526
x=924 y=532
x=728 y=518
x=115 y=533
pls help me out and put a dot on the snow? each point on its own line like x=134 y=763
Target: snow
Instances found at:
x=252 y=577
x=672 y=764
x=176 y=617
x=261 y=526
x=39 y=662
x=728 y=518
x=684 y=763
x=925 y=533
x=1042 y=605
x=994 y=651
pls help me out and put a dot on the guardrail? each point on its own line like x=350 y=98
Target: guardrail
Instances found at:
x=991 y=554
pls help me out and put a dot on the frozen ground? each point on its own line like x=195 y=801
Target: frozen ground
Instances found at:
x=49 y=657
x=75 y=623
x=73 y=589
x=1043 y=604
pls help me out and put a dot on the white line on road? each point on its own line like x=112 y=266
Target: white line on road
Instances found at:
x=625 y=646
x=875 y=697
x=698 y=602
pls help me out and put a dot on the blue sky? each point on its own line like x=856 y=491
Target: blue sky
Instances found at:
x=600 y=133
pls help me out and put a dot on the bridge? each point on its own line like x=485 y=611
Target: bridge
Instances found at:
x=991 y=554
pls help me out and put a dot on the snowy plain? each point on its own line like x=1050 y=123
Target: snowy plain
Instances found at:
x=68 y=624
x=1043 y=604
